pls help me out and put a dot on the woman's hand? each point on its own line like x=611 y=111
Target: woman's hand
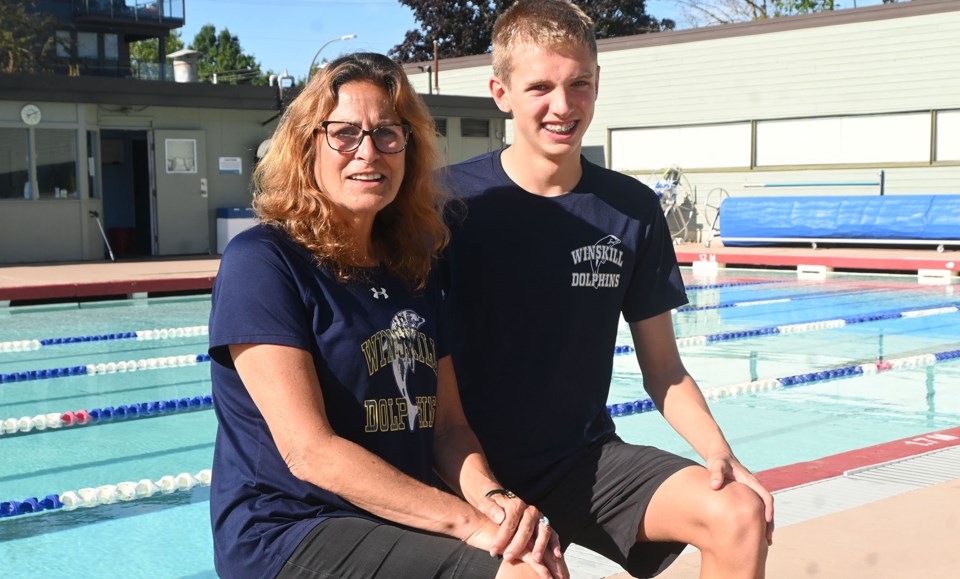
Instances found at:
x=549 y=564
x=517 y=520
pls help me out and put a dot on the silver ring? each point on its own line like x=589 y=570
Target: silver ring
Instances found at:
x=544 y=521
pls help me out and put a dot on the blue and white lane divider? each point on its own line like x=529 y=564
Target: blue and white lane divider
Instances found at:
x=731 y=284
x=758 y=386
x=106 y=368
x=139 y=335
x=800 y=328
x=778 y=300
x=107 y=494
x=723 y=305
x=56 y=420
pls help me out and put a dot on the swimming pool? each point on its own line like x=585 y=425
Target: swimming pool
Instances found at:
x=742 y=329
x=879 y=335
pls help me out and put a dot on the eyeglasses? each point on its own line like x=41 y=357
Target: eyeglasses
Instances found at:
x=347 y=137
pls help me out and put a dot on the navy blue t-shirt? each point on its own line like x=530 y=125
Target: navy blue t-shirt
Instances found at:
x=537 y=287
x=375 y=346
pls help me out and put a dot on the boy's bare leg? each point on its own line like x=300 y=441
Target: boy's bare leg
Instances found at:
x=726 y=525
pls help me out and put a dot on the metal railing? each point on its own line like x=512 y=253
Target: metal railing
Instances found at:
x=159 y=11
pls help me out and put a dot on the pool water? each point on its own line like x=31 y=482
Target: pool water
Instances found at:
x=161 y=536
x=168 y=535
x=821 y=418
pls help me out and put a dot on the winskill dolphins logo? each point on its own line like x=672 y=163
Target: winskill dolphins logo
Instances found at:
x=403 y=342
x=600 y=253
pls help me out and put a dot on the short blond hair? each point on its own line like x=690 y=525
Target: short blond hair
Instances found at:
x=552 y=24
x=409 y=232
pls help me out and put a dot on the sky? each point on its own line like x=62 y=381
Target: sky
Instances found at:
x=284 y=35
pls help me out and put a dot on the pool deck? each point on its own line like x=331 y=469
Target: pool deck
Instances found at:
x=144 y=276
x=885 y=512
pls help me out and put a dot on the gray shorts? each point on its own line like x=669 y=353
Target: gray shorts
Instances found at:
x=351 y=547
x=597 y=497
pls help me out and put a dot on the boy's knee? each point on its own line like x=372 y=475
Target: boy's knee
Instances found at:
x=736 y=513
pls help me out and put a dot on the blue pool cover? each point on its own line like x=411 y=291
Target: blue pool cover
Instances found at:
x=885 y=217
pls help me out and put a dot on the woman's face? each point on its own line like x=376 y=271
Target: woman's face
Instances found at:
x=363 y=181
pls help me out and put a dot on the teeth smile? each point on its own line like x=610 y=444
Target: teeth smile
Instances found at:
x=560 y=129
x=367 y=177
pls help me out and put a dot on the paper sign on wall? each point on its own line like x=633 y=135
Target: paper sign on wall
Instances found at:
x=231 y=165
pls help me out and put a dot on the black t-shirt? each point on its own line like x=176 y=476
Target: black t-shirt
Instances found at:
x=537 y=287
x=375 y=347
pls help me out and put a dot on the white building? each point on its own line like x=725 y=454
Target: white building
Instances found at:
x=823 y=104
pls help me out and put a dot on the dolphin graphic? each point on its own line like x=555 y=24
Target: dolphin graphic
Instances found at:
x=595 y=264
x=403 y=342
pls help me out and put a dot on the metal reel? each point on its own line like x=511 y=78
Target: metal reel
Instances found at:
x=677 y=200
x=711 y=211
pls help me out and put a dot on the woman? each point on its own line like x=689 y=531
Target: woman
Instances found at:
x=335 y=396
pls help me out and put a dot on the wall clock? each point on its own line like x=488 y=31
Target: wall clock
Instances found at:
x=30 y=114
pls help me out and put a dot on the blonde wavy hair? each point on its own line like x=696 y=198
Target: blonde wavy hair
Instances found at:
x=409 y=232
x=551 y=24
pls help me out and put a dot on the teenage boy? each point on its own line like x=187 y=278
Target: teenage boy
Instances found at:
x=548 y=252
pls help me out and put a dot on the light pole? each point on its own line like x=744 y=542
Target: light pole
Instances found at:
x=324 y=45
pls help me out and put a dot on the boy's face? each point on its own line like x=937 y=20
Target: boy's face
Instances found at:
x=551 y=94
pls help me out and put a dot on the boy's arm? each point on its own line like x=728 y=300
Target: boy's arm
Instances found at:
x=460 y=462
x=681 y=402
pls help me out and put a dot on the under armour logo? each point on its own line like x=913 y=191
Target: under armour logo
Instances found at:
x=379 y=293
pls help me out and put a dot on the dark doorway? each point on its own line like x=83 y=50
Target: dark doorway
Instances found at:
x=125 y=168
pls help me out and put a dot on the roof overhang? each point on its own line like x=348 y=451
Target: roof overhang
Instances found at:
x=131 y=92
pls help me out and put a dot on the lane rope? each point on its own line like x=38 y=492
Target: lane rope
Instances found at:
x=772 y=384
x=139 y=335
x=731 y=284
x=51 y=421
x=801 y=327
x=106 y=368
x=90 y=497
x=776 y=300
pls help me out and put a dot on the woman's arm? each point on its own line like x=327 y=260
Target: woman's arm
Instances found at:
x=283 y=383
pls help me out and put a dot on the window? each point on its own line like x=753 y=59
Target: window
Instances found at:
x=181 y=155
x=440 y=126
x=475 y=128
x=948 y=136
x=64 y=43
x=15 y=164
x=87 y=45
x=56 y=163
x=705 y=146
x=110 y=47
x=896 y=138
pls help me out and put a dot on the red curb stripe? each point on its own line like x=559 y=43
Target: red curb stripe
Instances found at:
x=800 y=473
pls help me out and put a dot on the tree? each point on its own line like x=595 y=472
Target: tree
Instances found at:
x=464 y=27
x=27 y=38
x=221 y=54
x=146 y=53
x=710 y=12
